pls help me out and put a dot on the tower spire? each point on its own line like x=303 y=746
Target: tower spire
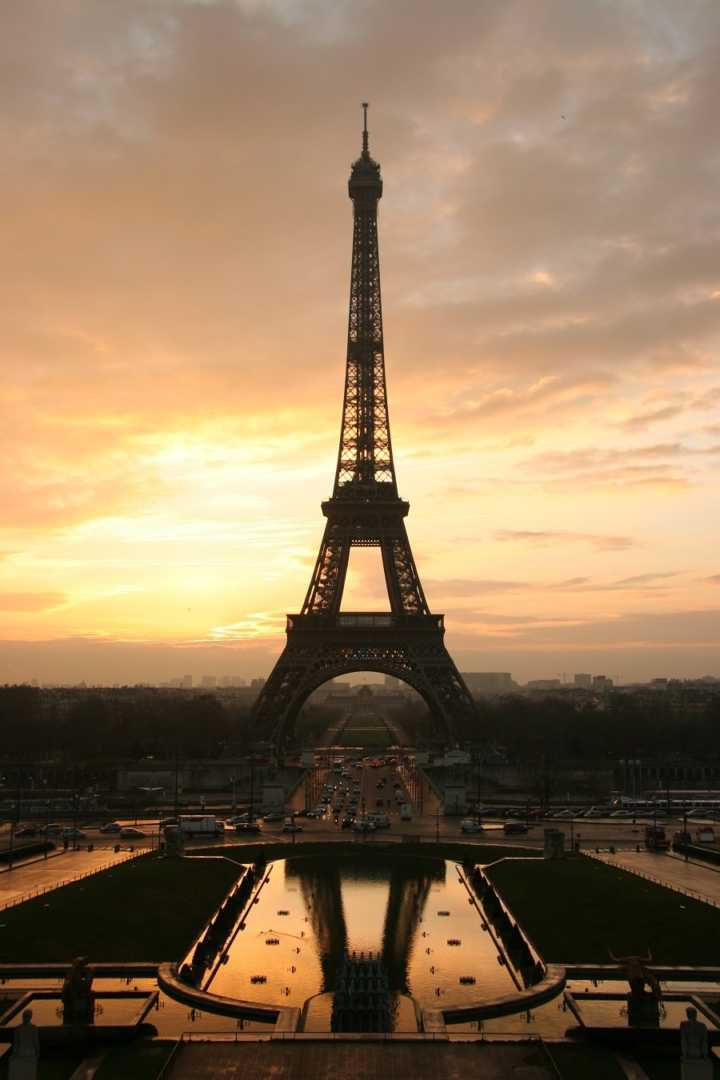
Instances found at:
x=365 y=149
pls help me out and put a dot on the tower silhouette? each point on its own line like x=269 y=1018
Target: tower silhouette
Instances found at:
x=365 y=510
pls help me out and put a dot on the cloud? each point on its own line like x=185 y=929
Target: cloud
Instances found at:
x=471 y=587
x=30 y=601
x=176 y=284
x=679 y=629
x=544 y=538
x=654 y=416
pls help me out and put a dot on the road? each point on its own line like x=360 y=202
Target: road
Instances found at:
x=376 y=792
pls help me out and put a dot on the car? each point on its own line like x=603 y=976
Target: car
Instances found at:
x=52 y=829
x=111 y=827
x=247 y=827
x=564 y=814
x=291 y=827
x=26 y=830
x=468 y=825
x=70 y=833
x=361 y=825
x=621 y=814
x=131 y=833
x=347 y=822
x=273 y=815
x=514 y=828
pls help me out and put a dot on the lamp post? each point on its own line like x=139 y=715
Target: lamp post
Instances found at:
x=251 y=808
x=177 y=787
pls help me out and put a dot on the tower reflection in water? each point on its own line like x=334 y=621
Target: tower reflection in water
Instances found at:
x=384 y=903
x=317 y=910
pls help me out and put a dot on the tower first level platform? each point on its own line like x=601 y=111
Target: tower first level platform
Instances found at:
x=321 y=647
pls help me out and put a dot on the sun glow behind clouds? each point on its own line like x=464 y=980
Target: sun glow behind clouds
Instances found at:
x=178 y=295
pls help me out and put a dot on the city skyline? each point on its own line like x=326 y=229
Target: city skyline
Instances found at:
x=178 y=267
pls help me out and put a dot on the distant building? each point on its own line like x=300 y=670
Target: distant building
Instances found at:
x=544 y=684
x=187 y=681
x=489 y=682
x=583 y=681
x=208 y=682
x=602 y=682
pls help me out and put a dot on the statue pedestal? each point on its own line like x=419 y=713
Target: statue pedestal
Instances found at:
x=697 y=1070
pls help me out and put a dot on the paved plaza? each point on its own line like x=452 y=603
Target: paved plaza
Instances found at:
x=361 y=1061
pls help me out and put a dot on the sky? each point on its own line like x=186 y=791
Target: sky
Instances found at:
x=176 y=239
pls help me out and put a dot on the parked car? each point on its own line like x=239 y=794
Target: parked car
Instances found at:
x=26 y=830
x=70 y=833
x=362 y=825
x=291 y=827
x=469 y=825
x=273 y=815
x=347 y=822
x=131 y=833
x=247 y=827
x=53 y=829
x=111 y=827
x=514 y=828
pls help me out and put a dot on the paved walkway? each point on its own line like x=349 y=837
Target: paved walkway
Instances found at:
x=691 y=878
x=364 y=1061
x=53 y=871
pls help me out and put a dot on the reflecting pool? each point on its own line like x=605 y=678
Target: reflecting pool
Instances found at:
x=414 y=913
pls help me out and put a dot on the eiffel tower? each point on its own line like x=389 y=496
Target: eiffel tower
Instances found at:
x=365 y=510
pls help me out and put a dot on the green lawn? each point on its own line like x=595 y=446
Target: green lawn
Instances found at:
x=575 y=909
x=149 y=908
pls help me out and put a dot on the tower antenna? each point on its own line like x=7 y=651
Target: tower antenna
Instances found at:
x=365 y=129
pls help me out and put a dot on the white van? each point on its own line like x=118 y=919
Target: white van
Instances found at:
x=200 y=825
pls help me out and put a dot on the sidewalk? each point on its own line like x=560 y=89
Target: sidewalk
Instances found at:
x=53 y=871
x=690 y=878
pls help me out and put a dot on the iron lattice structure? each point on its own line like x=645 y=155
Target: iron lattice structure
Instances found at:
x=365 y=510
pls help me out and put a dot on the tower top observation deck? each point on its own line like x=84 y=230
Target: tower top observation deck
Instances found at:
x=365 y=180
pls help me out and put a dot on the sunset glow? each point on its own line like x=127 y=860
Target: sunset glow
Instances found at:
x=177 y=260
